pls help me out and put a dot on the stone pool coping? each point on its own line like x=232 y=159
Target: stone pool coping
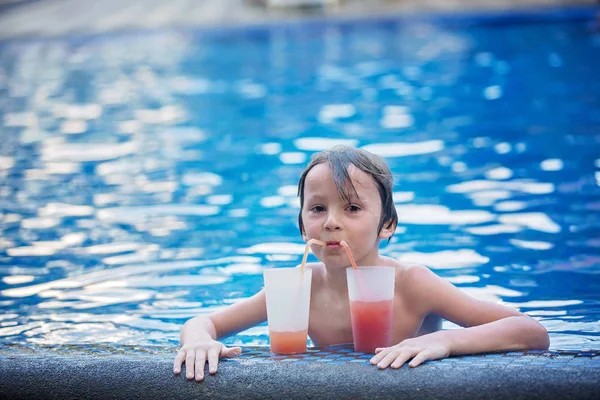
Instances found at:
x=55 y=18
x=126 y=372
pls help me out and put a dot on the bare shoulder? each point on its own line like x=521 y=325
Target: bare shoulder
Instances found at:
x=411 y=276
x=417 y=276
x=415 y=283
x=413 y=286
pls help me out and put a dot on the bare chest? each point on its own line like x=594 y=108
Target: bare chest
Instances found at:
x=329 y=322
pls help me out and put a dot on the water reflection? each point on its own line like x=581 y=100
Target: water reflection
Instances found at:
x=147 y=178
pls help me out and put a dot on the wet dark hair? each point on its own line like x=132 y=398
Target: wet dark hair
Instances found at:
x=339 y=159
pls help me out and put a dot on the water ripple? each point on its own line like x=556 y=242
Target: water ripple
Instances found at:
x=146 y=178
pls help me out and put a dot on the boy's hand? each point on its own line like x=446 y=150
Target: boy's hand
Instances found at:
x=420 y=349
x=195 y=356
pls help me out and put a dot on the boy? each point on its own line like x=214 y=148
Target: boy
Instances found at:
x=346 y=194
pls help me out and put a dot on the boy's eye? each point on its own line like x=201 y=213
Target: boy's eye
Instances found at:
x=317 y=209
x=353 y=208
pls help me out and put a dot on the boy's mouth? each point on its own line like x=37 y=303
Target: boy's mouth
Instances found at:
x=333 y=244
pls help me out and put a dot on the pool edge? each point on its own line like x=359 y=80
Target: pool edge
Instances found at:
x=146 y=371
x=518 y=14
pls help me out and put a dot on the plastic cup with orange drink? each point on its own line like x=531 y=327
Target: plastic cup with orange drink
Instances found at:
x=288 y=302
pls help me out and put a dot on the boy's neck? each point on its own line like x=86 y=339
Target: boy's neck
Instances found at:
x=336 y=279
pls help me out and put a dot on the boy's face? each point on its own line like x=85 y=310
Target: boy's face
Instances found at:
x=331 y=218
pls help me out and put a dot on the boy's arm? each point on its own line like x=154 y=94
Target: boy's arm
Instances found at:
x=199 y=335
x=509 y=333
x=240 y=316
x=228 y=321
x=489 y=327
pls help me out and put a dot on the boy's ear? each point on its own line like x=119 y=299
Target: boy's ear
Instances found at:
x=304 y=236
x=388 y=230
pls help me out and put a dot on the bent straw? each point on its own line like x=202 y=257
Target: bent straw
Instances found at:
x=342 y=243
x=306 y=249
x=359 y=280
x=311 y=241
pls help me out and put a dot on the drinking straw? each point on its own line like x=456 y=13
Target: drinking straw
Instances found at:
x=311 y=241
x=342 y=243
x=359 y=280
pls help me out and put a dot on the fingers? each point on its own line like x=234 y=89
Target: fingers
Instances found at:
x=394 y=357
x=195 y=360
x=380 y=353
x=178 y=361
x=401 y=359
x=189 y=364
x=213 y=360
x=214 y=353
x=420 y=358
x=387 y=360
x=230 y=352
x=200 y=361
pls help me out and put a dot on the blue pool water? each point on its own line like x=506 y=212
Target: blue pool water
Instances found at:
x=149 y=177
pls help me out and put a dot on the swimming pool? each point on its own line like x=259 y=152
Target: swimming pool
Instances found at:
x=150 y=177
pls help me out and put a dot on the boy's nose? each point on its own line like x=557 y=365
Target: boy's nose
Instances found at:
x=332 y=223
